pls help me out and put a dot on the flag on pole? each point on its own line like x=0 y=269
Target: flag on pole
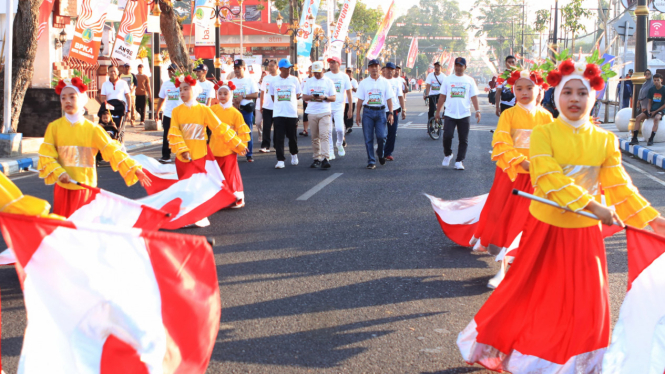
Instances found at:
x=104 y=299
x=458 y=218
x=88 y=32
x=413 y=54
x=132 y=27
x=45 y=11
x=638 y=339
x=342 y=28
x=382 y=33
x=309 y=7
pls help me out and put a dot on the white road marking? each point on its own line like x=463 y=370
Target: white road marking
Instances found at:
x=421 y=114
x=25 y=176
x=644 y=172
x=318 y=187
x=410 y=122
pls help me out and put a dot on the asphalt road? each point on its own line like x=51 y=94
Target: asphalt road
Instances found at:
x=359 y=277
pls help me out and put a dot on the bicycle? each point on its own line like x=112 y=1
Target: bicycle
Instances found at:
x=434 y=128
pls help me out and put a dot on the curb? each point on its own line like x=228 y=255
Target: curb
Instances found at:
x=643 y=153
x=15 y=166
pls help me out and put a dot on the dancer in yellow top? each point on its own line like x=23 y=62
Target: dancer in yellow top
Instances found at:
x=68 y=153
x=13 y=201
x=227 y=147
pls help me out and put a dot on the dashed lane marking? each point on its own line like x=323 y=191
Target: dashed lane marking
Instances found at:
x=644 y=172
x=318 y=187
x=421 y=114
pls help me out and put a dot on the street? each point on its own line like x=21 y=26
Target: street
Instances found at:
x=354 y=276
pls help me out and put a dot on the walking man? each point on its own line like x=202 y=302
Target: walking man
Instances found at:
x=207 y=92
x=319 y=91
x=130 y=79
x=169 y=98
x=343 y=89
x=398 y=107
x=143 y=93
x=376 y=93
x=433 y=88
x=267 y=106
x=285 y=92
x=457 y=93
x=505 y=100
x=350 y=105
x=246 y=91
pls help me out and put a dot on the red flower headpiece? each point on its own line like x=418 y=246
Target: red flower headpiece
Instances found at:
x=594 y=70
x=511 y=76
x=221 y=84
x=184 y=78
x=73 y=82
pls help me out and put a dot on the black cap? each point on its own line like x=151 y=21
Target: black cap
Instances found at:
x=140 y=66
x=201 y=67
x=173 y=67
x=373 y=62
x=460 y=61
x=239 y=62
x=390 y=65
x=437 y=63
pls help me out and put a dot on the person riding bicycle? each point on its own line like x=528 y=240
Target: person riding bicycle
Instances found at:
x=433 y=88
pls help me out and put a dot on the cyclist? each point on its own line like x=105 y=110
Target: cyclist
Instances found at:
x=433 y=88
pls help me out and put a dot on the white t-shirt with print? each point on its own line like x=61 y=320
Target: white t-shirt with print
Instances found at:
x=285 y=91
x=397 y=88
x=435 y=86
x=117 y=91
x=171 y=94
x=207 y=91
x=245 y=86
x=265 y=85
x=354 y=96
x=459 y=91
x=322 y=87
x=342 y=84
x=375 y=92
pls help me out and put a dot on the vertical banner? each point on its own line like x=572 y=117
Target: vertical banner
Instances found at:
x=382 y=33
x=88 y=32
x=413 y=54
x=204 y=34
x=310 y=7
x=451 y=65
x=132 y=27
x=44 y=13
x=342 y=29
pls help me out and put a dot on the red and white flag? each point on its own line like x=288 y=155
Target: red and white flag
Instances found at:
x=413 y=53
x=638 y=339
x=103 y=299
x=199 y=194
x=45 y=11
x=458 y=218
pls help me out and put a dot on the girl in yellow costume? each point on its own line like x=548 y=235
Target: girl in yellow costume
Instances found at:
x=68 y=153
x=13 y=201
x=551 y=313
x=227 y=148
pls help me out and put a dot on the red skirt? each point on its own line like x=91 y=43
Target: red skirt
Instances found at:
x=231 y=171
x=187 y=169
x=551 y=312
x=491 y=212
x=66 y=202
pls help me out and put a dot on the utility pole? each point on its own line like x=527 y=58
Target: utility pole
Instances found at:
x=523 y=15
x=555 y=32
x=294 y=55
x=642 y=14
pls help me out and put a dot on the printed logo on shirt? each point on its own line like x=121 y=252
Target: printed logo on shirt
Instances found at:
x=239 y=92
x=435 y=87
x=458 y=92
x=284 y=94
x=173 y=94
x=317 y=91
x=375 y=97
x=202 y=98
x=338 y=86
x=657 y=97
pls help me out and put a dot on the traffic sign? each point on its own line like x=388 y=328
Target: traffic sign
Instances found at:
x=625 y=26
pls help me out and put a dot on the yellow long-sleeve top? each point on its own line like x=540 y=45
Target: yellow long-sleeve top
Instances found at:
x=188 y=130
x=235 y=138
x=512 y=137
x=72 y=148
x=569 y=165
x=13 y=201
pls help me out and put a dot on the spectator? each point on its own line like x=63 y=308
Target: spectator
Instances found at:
x=246 y=91
x=116 y=93
x=169 y=98
x=131 y=81
x=627 y=92
x=420 y=84
x=143 y=93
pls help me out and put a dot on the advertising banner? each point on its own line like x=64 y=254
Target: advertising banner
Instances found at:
x=132 y=27
x=204 y=30
x=310 y=7
x=45 y=11
x=413 y=54
x=380 y=38
x=342 y=29
x=88 y=32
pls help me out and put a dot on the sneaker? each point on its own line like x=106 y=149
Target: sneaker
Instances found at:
x=459 y=165
x=264 y=150
x=349 y=130
x=239 y=204
x=332 y=155
x=325 y=164
x=390 y=158
x=280 y=165
x=165 y=160
x=294 y=160
x=250 y=159
x=371 y=166
x=446 y=160
x=340 y=151
x=382 y=160
x=634 y=141
x=315 y=164
x=304 y=133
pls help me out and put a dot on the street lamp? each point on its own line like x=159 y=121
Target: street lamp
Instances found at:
x=222 y=12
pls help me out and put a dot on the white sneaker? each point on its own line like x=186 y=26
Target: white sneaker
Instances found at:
x=446 y=160
x=280 y=165
x=340 y=151
x=264 y=150
x=294 y=160
x=459 y=165
x=332 y=156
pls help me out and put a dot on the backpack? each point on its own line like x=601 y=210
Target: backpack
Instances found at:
x=491 y=96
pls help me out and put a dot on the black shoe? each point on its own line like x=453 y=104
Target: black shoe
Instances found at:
x=371 y=166
x=325 y=164
x=250 y=159
x=634 y=141
x=650 y=142
x=349 y=130
x=382 y=160
x=315 y=164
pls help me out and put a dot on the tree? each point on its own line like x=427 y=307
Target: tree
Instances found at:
x=24 y=49
x=542 y=18
x=365 y=20
x=172 y=32
x=572 y=15
x=502 y=19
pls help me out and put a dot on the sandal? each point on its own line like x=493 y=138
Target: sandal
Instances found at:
x=304 y=133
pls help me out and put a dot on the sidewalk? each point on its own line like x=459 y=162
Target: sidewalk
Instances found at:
x=135 y=139
x=654 y=154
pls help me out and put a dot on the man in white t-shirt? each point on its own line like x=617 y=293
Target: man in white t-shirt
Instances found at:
x=267 y=105
x=169 y=98
x=343 y=91
x=458 y=92
x=433 y=84
x=398 y=74
x=319 y=91
x=398 y=109
x=305 y=118
x=246 y=91
x=285 y=92
x=413 y=84
x=207 y=90
x=375 y=93
x=116 y=89
x=348 y=121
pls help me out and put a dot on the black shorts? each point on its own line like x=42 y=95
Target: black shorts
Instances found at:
x=654 y=114
x=305 y=118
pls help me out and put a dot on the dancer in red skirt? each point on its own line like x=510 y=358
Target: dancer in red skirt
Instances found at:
x=504 y=214
x=228 y=146
x=70 y=146
x=551 y=313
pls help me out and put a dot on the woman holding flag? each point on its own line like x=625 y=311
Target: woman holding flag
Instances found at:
x=551 y=312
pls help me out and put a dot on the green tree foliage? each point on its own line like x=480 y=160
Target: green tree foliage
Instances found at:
x=503 y=19
x=573 y=15
x=542 y=21
x=365 y=20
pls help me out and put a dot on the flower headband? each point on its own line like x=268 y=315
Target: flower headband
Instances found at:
x=79 y=82
x=179 y=78
x=511 y=76
x=228 y=84
x=594 y=70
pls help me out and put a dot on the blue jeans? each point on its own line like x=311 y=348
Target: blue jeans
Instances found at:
x=249 y=121
x=392 y=134
x=374 y=122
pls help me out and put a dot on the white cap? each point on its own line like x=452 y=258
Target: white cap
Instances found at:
x=317 y=67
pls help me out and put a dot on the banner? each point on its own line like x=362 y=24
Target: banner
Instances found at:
x=132 y=27
x=88 y=33
x=413 y=54
x=310 y=7
x=342 y=29
x=204 y=31
x=451 y=65
x=381 y=34
x=45 y=11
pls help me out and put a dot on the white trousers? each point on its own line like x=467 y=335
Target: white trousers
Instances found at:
x=338 y=118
